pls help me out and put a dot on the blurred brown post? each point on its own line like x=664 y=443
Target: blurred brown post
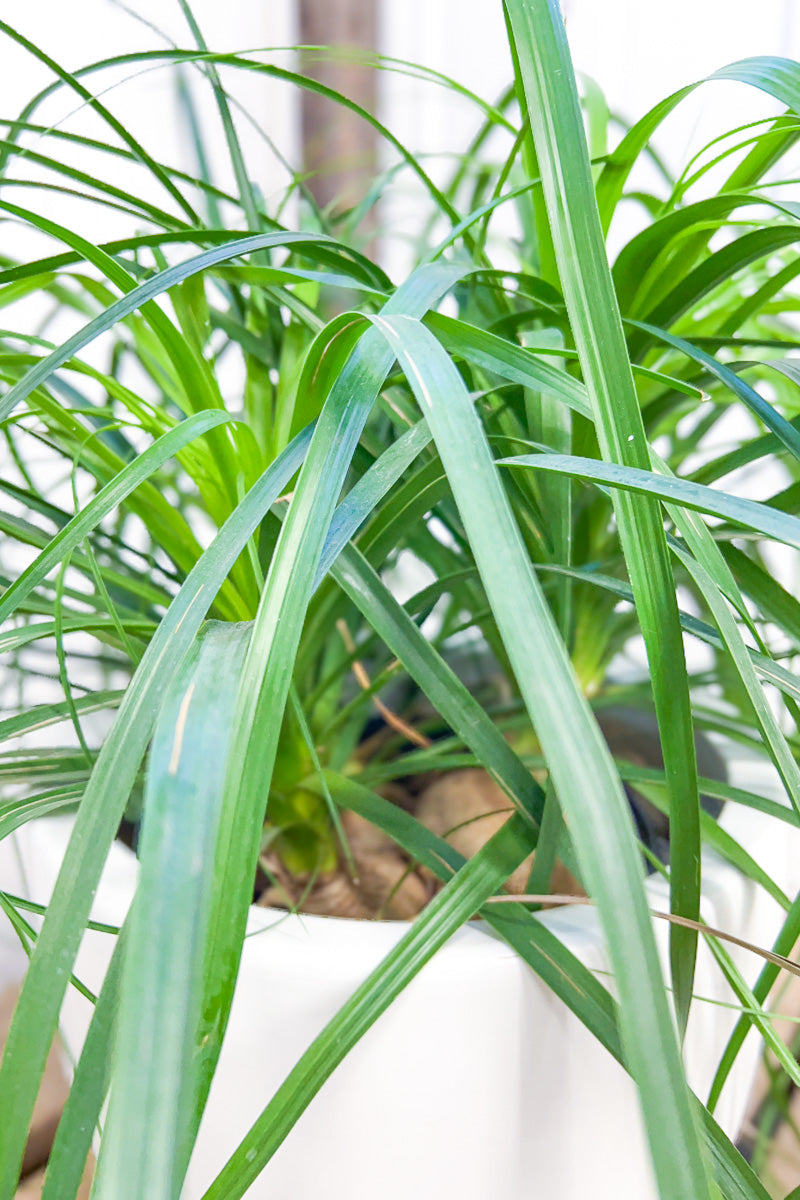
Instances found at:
x=339 y=147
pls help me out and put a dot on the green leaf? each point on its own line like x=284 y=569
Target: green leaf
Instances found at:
x=784 y=945
x=783 y=430
x=107 y=499
x=81 y=1114
x=681 y=492
x=41 y=716
x=152 y=1121
x=587 y=785
x=14 y=813
x=72 y=82
x=437 y=680
x=268 y=666
x=774 y=738
x=735 y=1176
x=546 y=79
x=372 y=487
x=115 y=770
x=155 y=286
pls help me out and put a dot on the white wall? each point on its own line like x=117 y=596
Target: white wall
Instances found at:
x=143 y=98
x=638 y=52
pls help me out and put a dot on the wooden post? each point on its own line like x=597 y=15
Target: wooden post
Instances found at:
x=339 y=147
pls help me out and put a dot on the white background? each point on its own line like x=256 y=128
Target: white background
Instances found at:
x=638 y=52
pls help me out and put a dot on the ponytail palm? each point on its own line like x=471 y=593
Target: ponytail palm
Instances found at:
x=246 y=429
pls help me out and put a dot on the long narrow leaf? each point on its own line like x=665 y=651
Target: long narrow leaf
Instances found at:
x=155 y=286
x=34 y=1023
x=587 y=785
x=266 y=675
x=681 y=492
x=151 y=1125
x=129 y=478
x=81 y=1115
x=548 y=83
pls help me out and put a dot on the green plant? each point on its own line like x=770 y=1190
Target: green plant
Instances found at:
x=395 y=427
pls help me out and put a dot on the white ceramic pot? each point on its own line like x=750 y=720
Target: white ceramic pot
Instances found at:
x=477 y=1082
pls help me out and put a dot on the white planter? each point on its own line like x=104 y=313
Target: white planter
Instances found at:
x=477 y=1082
